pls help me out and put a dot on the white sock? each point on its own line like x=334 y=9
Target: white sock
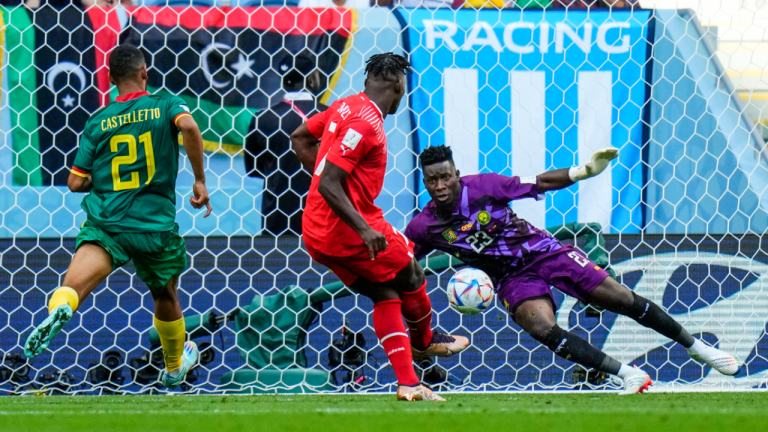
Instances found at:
x=697 y=347
x=625 y=370
x=175 y=373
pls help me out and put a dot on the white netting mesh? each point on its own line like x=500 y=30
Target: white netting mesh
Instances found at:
x=683 y=210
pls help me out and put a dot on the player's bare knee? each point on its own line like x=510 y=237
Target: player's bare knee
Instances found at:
x=162 y=295
x=418 y=273
x=541 y=328
x=417 y=279
x=384 y=294
x=533 y=321
x=538 y=328
x=625 y=298
x=612 y=296
x=167 y=292
x=90 y=266
x=413 y=283
x=411 y=278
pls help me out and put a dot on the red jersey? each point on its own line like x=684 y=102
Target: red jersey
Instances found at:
x=351 y=133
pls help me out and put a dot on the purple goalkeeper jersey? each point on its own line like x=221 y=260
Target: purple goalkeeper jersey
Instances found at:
x=483 y=231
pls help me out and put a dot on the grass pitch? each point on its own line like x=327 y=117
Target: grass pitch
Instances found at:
x=592 y=412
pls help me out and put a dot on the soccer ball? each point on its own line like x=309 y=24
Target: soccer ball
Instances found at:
x=470 y=291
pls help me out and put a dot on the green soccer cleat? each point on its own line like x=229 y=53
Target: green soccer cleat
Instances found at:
x=38 y=341
x=188 y=360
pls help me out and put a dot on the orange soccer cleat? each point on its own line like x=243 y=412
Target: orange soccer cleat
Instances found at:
x=418 y=393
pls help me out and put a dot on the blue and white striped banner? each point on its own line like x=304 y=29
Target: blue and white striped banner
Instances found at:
x=519 y=93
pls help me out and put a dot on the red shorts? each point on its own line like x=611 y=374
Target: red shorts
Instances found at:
x=388 y=263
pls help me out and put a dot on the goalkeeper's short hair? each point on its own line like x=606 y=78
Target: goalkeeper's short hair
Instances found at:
x=436 y=154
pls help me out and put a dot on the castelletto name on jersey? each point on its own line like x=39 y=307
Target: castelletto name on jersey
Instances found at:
x=137 y=116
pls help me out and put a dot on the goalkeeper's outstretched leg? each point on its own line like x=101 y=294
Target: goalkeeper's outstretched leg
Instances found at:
x=616 y=298
x=536 y=316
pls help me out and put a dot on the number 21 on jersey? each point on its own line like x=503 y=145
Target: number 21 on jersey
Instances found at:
x=130 y=158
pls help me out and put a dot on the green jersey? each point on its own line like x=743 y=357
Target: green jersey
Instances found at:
x=130 y=148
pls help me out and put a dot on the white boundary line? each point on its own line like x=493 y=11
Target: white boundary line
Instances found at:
x=665 y=390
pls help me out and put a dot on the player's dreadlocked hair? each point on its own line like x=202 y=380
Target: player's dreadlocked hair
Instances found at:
x=435 y=154
x=387 y=65
x=125 y=61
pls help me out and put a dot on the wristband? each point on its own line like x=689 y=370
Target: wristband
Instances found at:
x=577 y=173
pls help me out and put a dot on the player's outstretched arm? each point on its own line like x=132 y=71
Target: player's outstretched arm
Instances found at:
x=305 y=145
x=562 y=178
x=78 y=183
x=193 y=145
x=332 y=190
x=554 y=180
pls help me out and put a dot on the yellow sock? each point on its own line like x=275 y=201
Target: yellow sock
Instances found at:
x=62 y=296
x=172 y=337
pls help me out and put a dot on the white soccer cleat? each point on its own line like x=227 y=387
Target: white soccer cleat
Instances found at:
x=189 y=359
x=719 y=360
x=636 y=382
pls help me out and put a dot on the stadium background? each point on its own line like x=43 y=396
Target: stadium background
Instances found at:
x=514 y=92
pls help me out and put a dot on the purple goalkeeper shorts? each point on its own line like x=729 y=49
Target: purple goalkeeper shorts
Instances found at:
x=567 y=269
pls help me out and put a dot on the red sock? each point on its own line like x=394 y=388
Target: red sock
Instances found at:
x=417 y=311
x=388 y=323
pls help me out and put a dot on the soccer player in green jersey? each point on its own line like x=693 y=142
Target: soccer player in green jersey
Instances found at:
x=128 y=160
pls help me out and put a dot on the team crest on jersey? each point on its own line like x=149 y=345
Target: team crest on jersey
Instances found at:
x=467 y=227
x=483 y=217
x=450 y=236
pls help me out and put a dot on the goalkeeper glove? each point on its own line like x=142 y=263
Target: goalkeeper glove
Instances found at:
x=597 y=164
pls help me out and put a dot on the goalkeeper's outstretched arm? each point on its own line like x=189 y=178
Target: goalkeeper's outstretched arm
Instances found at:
x=562 y=178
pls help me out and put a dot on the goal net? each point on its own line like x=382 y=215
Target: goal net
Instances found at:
x=678 y=218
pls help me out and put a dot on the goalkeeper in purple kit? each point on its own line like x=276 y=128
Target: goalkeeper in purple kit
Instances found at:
x=469 y=217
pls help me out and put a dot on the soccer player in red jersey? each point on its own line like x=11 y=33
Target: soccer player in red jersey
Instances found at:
x=345 y=231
